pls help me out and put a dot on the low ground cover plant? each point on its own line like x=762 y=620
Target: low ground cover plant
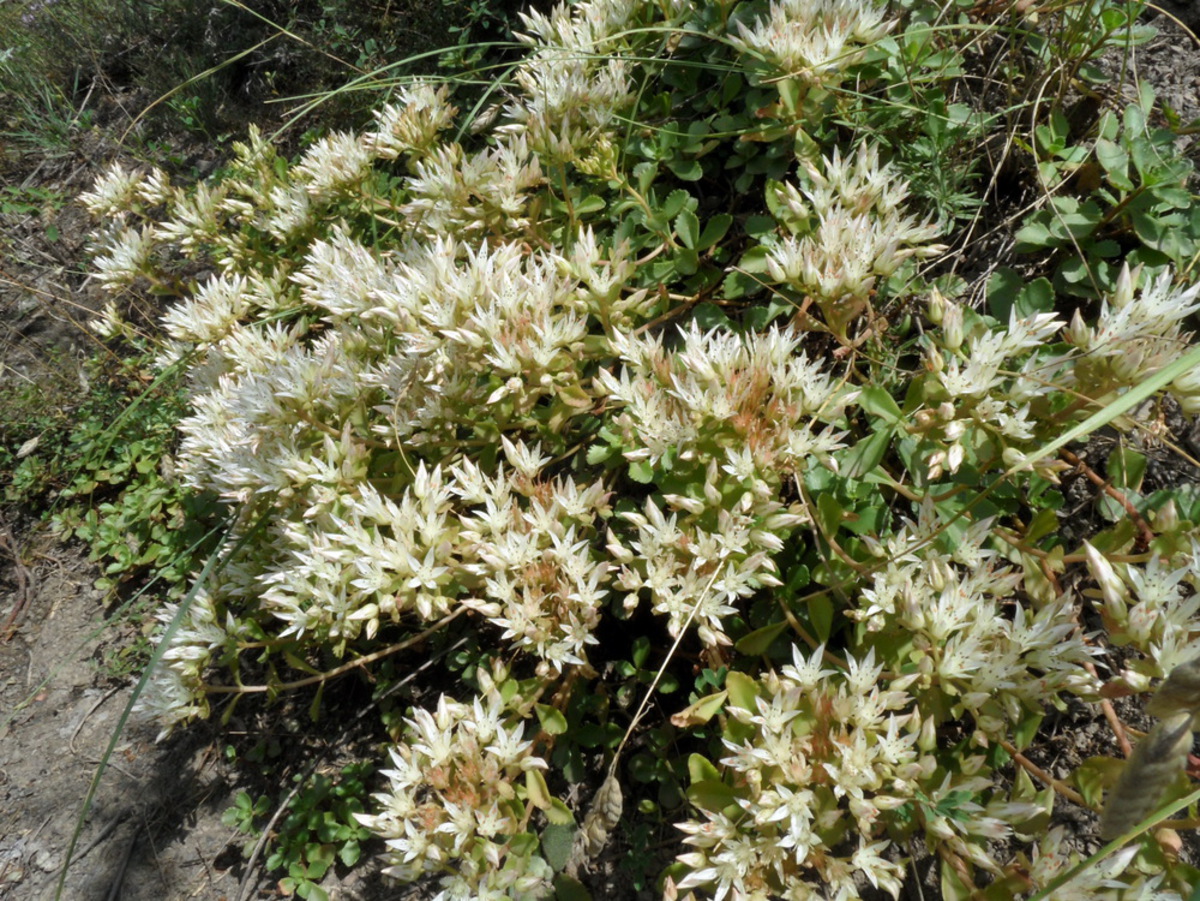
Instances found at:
x=651 y=384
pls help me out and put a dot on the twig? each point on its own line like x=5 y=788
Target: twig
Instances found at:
x=108 y=830
x=8 y=545
x=114 y=893
x=337 y=671
x=266 y=832
x=1147 y=536
x=1042 y=776
x=84 y=718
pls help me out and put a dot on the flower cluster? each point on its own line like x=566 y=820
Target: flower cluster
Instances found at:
x=814 y=39
x=820 y=749
x=1151 y=608
x=450 y=808
x=861 y=233
x=952 y=603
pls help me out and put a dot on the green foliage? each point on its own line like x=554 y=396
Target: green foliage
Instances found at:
x=1119 y=196
x=100 y=461
x=317 y=829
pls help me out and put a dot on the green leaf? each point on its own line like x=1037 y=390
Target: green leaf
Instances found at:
x=1115 y=161
x=559 y=814
x=878 y=402
x=701 y=711
x=864 y=456
x=743 y=691
x=598 y=453
x=314 y=709
x=829 y=514
x=1034 y=236
x=590 y=204
x=711 y=795
x=1126 y=468
x=687 y=170
x=552 y=720
x=557 y=840
x=714 y=230
x=641 y=471
x=1095 y=776
x=701 y=769
x=686 y=261
x=1036 y=297
x=1002 y=290
x=709 y=316
x=756 y=226
x=687 y=226
x=1044 y=522
x=539 y=792
x=758 y=641
x=350 y=853
x=820 y=613
x=677 y=200
x=568 y=888
x=1024 y=733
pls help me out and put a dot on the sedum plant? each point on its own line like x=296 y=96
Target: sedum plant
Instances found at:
x=659 y=350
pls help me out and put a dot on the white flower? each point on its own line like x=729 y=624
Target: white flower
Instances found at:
x=814 y=38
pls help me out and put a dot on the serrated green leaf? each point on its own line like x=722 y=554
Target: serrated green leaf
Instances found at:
x=598 y=453
x=687 y=227
x=559 y=814
x=1035 y=297
x=687 y=170
x=641 y=471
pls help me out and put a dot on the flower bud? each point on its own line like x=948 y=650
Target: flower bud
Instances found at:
x=934 y=361
x=1112 y=589
x=1126 y=284
x=1137 y=682
x=1015 y=460
x=924 y=420
x=952 y=327
x=1078 y=334
x=1166 y=518
x=927 y=740
x=937 y=307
